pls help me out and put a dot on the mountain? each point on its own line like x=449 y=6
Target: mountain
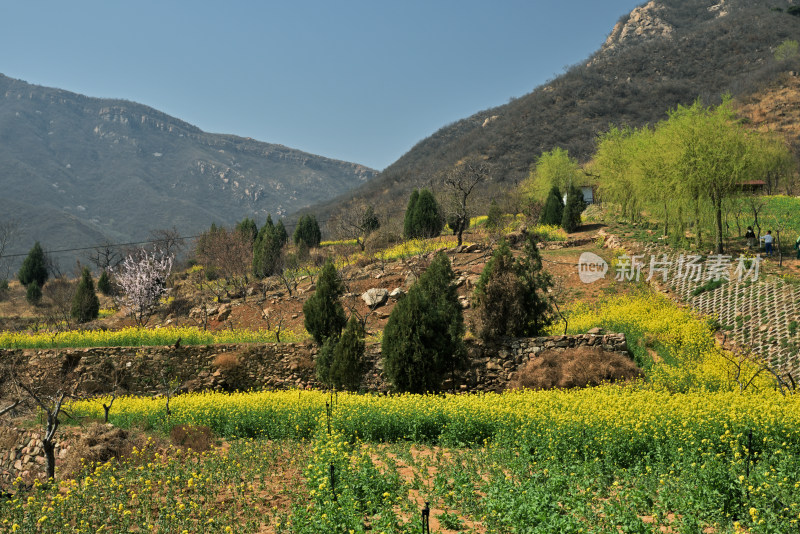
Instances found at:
x=79 y=171
x=662 y=54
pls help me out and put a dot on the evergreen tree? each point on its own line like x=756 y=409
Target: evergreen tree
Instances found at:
x=347 y=358
x=267 y=250
x=571 y=218
x=85 y=304
x=510 y=298
x=324 y=315
x=34 y=268
x=536 y=284
x=494 y=219
x=307 y=232
x=427 y=219
x=408 y=221
x=324 y=360
x=33 y=294
x=104 y=284
x=280 y=231
x=423 y=340
x=553 y=211
x=248 y=228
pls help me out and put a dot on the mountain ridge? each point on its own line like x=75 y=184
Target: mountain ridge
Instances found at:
x=660 y=55
x=120 y=169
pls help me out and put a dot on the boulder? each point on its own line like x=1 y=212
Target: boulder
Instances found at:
x=375 y=297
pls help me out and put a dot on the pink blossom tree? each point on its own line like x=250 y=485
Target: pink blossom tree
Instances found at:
x=142 y=279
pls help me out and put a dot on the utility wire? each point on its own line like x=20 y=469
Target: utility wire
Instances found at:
x=133 y=243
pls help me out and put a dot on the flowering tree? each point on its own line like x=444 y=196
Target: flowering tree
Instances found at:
x=142 y=278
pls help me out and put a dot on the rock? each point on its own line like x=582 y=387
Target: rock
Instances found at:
x=397 y=293
x=410 y=280
x=596 y=331
x=375 y=297
x=224 y=312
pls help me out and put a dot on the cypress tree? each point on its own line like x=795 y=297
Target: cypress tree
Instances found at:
x=248 y=228
x=104 y=283
x=324 y=315
x=307 y=232
x=347 y=358
x=34 y=268
x=280 y=231
x=85 y=304
x=510 y=298
x=553 y=211
x=408 y=221
x=571 y=218
x=427 y=220
x=495 y=216
x=267 y=250
x=423 y=340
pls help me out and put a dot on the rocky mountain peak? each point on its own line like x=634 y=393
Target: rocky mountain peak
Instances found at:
x=643 y=23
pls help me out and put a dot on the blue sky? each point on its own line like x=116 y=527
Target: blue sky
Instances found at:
x=361 y=81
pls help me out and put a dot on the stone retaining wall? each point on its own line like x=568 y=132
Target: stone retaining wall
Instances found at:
x=145 y=371
x=21 y=455
x=150 y=370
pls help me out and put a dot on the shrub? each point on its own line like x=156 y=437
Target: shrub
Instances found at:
x=85 y=304
x=510 y=297
x=423 y=339
x=34 y=268
x=34 y=293
x=324 y=315
x=580 y=367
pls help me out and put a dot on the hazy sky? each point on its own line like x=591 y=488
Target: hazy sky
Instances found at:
x=361 y=81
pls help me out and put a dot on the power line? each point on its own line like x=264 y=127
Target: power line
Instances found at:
x=133 y=243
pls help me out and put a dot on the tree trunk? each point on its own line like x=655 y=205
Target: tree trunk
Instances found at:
x=718 y=216
x=697 y=232
x=50 y=455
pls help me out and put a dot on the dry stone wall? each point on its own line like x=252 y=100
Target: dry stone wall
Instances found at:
x=146 y=370
x=149 y=370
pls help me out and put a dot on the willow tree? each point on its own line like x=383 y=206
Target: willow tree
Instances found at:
x=552 y=169
x=613 y=165
x=716 y=154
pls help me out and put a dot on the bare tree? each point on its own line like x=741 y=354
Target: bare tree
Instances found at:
x=168 y=240
x=355 y=221
x=142 y=278
x=10 y=407
x=229 y=255
x=57 y=308
x=49 y=392
x=105 y=257
x=460 y=182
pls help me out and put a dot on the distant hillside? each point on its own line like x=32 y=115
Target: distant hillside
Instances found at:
x=76 y=171
x=662 y=54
